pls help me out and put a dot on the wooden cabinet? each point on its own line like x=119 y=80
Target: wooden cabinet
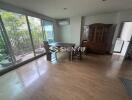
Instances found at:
x=99 y=38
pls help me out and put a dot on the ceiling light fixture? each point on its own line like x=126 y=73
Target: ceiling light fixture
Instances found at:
x=65 y=8
x=104 y=0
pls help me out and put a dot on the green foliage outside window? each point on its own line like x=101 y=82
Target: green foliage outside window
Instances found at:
x=17 y=31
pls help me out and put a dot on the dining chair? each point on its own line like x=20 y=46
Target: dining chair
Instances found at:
x=50 y=52
x=77 y=53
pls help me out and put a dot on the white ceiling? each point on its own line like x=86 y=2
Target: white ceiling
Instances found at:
x=54 y=8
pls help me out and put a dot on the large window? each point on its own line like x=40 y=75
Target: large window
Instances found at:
x=49 y=30
x=21 y=37
x=37 y=34
x=18 y=33
x=5 y=57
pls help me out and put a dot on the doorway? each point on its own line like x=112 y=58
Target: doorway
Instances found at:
x=123 y=40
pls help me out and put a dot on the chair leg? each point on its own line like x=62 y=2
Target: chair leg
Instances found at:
x=80 y=55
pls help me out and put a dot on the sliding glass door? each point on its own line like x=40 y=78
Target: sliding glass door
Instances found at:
x=37 y=34
x=21 y=37
x=18 y=34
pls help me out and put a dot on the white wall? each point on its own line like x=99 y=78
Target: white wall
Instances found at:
x=57 y=36
x=71 y=33
x=108 y=18
x=126 y=31
x=75 y=29
x=122 y=16
x=66 y=33
x=125 y=16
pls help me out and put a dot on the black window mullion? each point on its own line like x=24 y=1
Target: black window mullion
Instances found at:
x=30 y=34
x=7 y=41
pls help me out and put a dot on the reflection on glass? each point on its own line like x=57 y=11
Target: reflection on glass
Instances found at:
x=37 y=34
x=48 y=28
x=5 y=58
x=18 y=33
x=16 y=43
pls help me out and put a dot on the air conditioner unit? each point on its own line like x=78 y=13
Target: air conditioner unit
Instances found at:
x=63 y=22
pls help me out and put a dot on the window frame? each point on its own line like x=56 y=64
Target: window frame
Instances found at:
x=14 y=65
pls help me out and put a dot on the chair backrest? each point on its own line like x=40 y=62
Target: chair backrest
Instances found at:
x=46 y=46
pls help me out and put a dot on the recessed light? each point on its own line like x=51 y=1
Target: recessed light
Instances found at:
x=65 y=8
x=104 y=0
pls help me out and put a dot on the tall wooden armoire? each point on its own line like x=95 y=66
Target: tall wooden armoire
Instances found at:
x=100 y=38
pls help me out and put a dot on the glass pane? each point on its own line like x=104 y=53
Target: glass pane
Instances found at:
x=18 y=33
x=37 y=34
x=5 y=58
x=48 y=28
x=118 y=45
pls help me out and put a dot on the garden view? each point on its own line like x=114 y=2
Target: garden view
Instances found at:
x=21 y=37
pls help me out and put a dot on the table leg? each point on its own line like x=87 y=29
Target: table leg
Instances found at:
x=71 y=55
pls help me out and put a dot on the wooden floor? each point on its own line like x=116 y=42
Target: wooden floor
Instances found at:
x=96 y=77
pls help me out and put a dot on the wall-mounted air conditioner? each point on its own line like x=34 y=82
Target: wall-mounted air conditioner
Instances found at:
x=63 y=22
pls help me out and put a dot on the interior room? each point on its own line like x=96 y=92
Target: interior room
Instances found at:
x=65 y=50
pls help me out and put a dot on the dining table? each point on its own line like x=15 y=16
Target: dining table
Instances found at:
x=64 y=45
